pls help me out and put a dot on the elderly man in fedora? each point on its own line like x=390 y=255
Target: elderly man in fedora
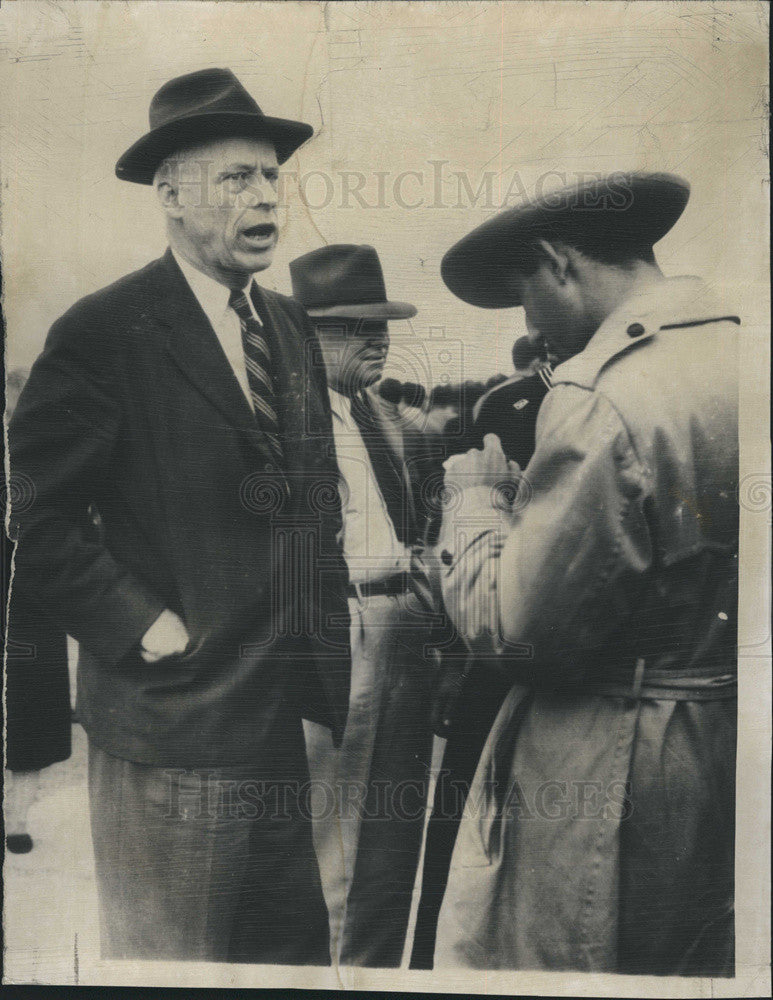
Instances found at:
x=600 y=835
x=369 y=842
x=177 y=401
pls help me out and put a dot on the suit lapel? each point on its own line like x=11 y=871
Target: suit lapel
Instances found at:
x=196 y=350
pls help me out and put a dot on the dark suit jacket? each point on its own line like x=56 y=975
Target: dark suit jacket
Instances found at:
x=134 y=407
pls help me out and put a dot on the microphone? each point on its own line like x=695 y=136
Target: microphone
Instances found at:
x=525 y=351
x=391 y=390
x=414 y=394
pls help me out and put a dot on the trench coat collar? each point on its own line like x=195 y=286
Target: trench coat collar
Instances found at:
x=668 y=303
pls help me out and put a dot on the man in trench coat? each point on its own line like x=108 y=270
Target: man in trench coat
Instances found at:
x=599 y=830
x=178 y=401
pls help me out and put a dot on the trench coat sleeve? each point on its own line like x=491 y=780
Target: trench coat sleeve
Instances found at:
x=61 y=437
x=562 y=569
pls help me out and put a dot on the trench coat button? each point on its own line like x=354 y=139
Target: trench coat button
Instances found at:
x=635 y=330
x=446 y=558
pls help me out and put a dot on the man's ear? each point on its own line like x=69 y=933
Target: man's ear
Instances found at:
x=556 y=258
x=168 y=196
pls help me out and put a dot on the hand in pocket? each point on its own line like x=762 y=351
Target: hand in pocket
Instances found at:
x=167 y=636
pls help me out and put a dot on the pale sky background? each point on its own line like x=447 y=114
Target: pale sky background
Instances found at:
x=518 y=89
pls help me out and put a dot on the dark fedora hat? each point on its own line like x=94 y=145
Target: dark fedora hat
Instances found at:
x=201 y=107
x=629 y=211
x=345 y=281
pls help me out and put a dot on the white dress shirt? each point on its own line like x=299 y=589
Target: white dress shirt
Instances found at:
x=371 y=547
x=213 y=299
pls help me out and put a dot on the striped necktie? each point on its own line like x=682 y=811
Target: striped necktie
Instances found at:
x=257 y=360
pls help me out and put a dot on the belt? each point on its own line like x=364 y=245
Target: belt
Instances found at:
x=665 y=685
x=390 y=586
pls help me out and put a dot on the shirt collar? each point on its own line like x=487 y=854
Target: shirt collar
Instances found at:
x=211 y=295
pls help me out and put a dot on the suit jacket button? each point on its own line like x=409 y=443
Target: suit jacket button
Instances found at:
x=635 y=330
x=446 y=558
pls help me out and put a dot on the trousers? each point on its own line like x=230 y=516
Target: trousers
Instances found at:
x=212 y=864
x=368 y=838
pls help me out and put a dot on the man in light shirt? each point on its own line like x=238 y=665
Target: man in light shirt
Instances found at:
x=369 y=844
x=177 y=402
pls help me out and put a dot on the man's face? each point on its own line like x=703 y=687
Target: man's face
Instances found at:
x=226 y=208
x=355 y=352
x=555 y=312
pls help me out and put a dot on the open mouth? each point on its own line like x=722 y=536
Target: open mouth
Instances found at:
x=263 y=233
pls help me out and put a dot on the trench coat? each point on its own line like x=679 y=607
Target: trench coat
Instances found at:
x=598 y=834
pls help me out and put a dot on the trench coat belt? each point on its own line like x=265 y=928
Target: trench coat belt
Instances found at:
x=390 y=586
x=691 y=684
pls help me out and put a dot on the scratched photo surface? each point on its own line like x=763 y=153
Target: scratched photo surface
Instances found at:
x=399 y=621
